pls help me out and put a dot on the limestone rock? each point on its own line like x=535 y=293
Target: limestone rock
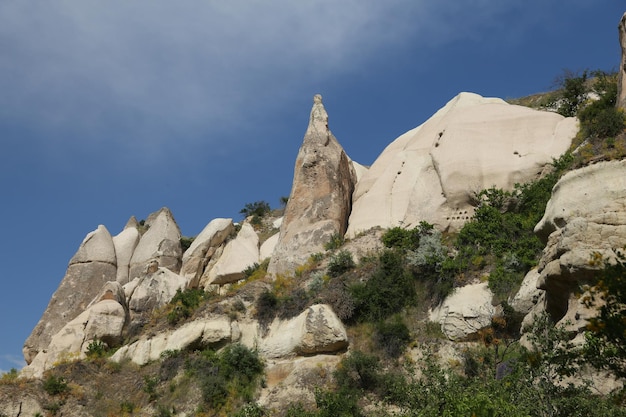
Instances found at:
x=238 y=254
x=23 y=404
x=125 y=243
x=621 y=86
x=196 y=258
x=316 y=330
x=467 y=310
x=89 y=269
x=432 y=172
x=321 y=195
x=104 y=320
x=267 y=248
x=198 y=333
x=584 y=224
x=151 y=291
x=528 y=295
x=160 y=243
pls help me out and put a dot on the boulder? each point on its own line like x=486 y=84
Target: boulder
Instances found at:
x=151 y=291
x=200 y=333
x=464 y=312
x=125 y=243
x=89 y=269
x=238 y=254
x=621 y=80
x=584 y=226
x=198 y=255
x=321 y=195
x=267 y=248
x=160 y=243
x=432 y=173
x=528 y=294
x=316 y=330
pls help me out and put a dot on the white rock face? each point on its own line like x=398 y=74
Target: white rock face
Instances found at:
x=431 y=172
x=203 y=332
x=528 y=295
x=585 y=217
x=196 y=258
x=467 y=310
x=160 y=243
x=89 y=269
x=152 y=291
x=316 y=330
x=125 y=243
x=621 y=87
x=238 y=254
x=267 y=248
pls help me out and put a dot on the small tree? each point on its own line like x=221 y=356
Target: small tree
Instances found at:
x=258 y=208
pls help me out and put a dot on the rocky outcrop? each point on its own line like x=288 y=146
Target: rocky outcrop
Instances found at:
x=583 y=226
x=621 y=81
x=321 y=195
x=238 y=254
x=203 y=248
x=89 y=269
x=125 y=243
x=528 y=294
x=432 y=172
x=466 y=311
x=103 y=320
x=160 y=243
x=316 y=330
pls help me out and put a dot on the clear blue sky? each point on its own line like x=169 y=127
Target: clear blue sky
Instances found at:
x=118 y=108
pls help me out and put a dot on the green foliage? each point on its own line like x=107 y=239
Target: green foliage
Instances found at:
x=389 y=289
x=405 y=239
x=185 y=242
x=150 y=384
x=340 y=262
x=127 y=407
x=573 y=92
x=251 y=410
x=335 y=242
x=392 y=336
x=358 y=371
x=9 y=377
x=55 y=385
x=96 y=349
x=259 y=209
x=183 y=304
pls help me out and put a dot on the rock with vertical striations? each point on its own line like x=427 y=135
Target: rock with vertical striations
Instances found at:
x=321 y=195
x=621 y=81
x=90 y=268
x=125 y=243
x=160 y=243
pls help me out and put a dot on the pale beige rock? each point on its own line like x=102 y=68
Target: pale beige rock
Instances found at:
x=161 y=243
x=584 y=224
x=24 y=405
x=267 y=248
x=196 y=258
x=81 y=283
x=464 y=312
x=238 y=254
x=321 y=195
x=432 y=172
x=204 y=332
x=316 y=330
x=528 y=295
x=621 y=80
x=151 y=291
x=125 y=243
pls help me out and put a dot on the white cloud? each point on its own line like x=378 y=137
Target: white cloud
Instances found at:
x=150 y=70
x=13 y=361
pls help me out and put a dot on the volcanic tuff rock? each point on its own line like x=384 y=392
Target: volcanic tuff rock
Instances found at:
x=584 y=225
x=89 y=269
x=432 y=172
x=125 y=243
x=160 y=243
x=321 y=195
x=621 y=87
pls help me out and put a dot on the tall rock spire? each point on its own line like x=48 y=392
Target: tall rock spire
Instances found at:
x=321 y=195
x=621 y=86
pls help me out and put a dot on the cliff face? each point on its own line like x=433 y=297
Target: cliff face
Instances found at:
x=116 y=286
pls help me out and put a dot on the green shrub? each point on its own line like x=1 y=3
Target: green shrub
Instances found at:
x=127 y=407
x=358 y=370
x=335 y=242
x=55 y=385
x=150 y=384
x=96 y=349
x=340 y=263
x=266 y=308
x=400 y=238
x=293 y=304
x=392 y=337
x=185 y=242
x=259 y=209
x=184 y=303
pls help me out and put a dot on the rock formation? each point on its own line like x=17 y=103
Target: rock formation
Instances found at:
x=621 y=80
x=91 y=267
x=583 y=226
x=321 y=195
x=125 y=243
x=432 y=172
x=160 y=243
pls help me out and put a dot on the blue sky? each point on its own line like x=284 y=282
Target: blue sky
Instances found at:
x=118 y=108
